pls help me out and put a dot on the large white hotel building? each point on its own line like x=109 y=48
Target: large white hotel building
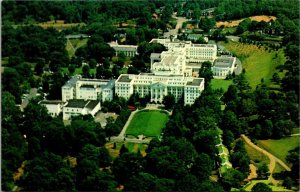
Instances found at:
x=172 y=72
x=158 y=86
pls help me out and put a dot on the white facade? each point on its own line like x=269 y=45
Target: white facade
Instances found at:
x=128 y=50
x=223 y=66
x=80 y=107
x=88 y=89
x=54 y=107
x=158 y=86
x=68 y=91
x=176 y=61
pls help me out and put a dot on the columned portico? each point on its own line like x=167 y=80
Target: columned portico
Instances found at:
x=158 y=91
x=156 y=87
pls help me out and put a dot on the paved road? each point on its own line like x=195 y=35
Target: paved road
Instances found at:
x=174 y=32
x=273 y=159
x=32 y=94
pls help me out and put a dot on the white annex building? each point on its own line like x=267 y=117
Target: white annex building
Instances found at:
x=54 y=107
x=158 y=86
x=80 y=107
x=223 y=66
x=88 y=89
x=181 y=58
x=127 y=50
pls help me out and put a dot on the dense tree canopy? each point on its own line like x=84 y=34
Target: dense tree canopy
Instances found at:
x=185 y=156
x=48 y=172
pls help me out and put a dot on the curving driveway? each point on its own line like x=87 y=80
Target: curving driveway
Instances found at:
x=273 y=159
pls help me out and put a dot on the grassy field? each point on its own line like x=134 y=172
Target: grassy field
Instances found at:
x=73 y=44
x=280 y=147
x=256 y=156
x=148 y=123
x=220 y=83
x=274 y=188
x=132 y=147
x=257 y=61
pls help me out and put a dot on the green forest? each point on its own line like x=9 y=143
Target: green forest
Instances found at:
x=185 y=158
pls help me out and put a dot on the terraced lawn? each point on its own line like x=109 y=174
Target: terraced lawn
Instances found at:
x=257 y=61
x=149 y=123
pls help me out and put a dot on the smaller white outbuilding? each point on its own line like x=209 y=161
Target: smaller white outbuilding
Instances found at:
x=223 y=66
x=77 y=107
x=54 y=107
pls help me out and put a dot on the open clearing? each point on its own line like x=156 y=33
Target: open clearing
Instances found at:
x=220 y=83
x=255 y=155
x=73 y=44
x=257 y=61
x=235 y=23
x=280 y=147
x=149 y=123
x=274 y=188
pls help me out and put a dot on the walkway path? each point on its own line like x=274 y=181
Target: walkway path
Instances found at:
x=122 y=133
x=273 y=159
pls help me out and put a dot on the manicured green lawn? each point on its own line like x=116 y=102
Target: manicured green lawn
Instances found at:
x=257 y=61
x=73 y=44
x=149 y=123
x=220 y=83
x=78 y=42
x=281 y=147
